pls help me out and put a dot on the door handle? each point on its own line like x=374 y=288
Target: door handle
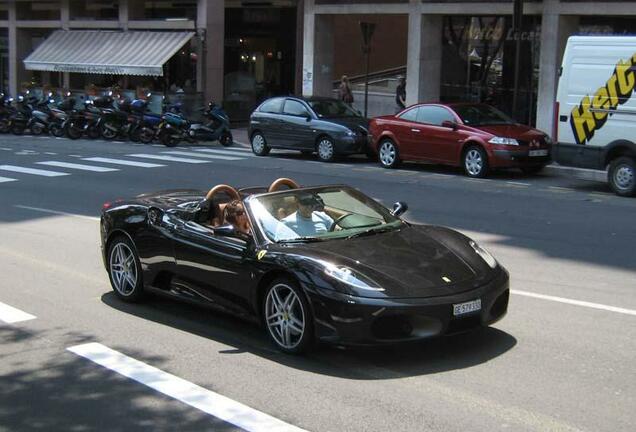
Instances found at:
x=415 y=130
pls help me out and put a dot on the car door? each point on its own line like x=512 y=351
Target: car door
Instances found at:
x=219 y=267
x=407 y=133
x=269 y=121
x=297 y=128
x=439 y=143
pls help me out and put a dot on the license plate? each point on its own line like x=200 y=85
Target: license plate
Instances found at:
x=467 y=307
x=538 y=153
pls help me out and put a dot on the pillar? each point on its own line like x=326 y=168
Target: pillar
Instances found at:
x=211 y=30
x=555 y=30
x=65 y=16
x=318 y=49
x=424 y=62
x=13 y=51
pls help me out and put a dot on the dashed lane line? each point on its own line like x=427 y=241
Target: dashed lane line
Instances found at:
x=576 y=302
x=75 y=166
x=167 y=158
x=560 y=189
x=55 y=212
x=226 y=152
x=184 y=391
x=202 y=155
x=33 y=171
x=512 y=183
x=11 y=315
x=123 y=162
x=6 y=179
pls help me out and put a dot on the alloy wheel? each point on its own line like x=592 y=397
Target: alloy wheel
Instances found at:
x=387 y=153
x=258 y=144
x=325 y=149
x=474 y=162
x=123 y=269
x=285 y=316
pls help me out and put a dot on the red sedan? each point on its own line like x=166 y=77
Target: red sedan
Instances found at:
x=474 y=136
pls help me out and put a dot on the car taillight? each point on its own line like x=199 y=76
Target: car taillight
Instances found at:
x=107 y=205
x=555 y=125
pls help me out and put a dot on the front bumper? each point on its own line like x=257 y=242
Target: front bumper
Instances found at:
x=365 y=321
x=351 y=145
x=518 y=158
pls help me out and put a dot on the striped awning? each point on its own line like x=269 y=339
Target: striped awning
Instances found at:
x=107 y=52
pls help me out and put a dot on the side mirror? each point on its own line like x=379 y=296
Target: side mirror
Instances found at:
x=399 y=208
x=225 y=230
x=155 y=216
x=307 y=116
x=449 y=124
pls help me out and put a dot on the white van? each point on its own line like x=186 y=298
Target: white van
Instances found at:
x=596 y=108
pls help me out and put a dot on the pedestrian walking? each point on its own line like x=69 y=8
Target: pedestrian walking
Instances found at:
x=344 y=90
x=400 y=94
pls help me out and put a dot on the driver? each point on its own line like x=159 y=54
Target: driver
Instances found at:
x=309 y=219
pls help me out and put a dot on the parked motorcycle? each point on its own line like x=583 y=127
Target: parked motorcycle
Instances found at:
x=173 y=129
x=6 y=111
x=47 y=118
x=216 y=128
x=83 y=121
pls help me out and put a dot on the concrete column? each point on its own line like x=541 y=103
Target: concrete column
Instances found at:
x=555 y=30
x=211 y=24
x=13 y=51
x=424 y=62
x=124 y=14
x=323 y=56
x=65 y=17
x=300 y=16
x=309 y=32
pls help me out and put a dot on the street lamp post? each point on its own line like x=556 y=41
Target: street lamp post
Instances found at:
x=517 y=24
x=367 y=32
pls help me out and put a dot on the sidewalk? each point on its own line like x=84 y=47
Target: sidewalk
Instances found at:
x=554 y=169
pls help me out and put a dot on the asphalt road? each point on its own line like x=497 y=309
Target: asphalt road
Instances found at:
x=561 y=362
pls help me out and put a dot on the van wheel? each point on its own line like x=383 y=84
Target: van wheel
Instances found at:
x=621 y=176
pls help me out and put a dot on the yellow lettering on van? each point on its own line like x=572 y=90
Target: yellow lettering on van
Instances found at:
x=582 y=121
x=612 y=91
x=601 y=102
x=625 y=77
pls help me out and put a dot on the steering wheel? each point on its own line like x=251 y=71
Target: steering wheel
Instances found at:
x=337 y=221
x=283 y=182
x=233 y=193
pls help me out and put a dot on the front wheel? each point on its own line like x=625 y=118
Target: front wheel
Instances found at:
x=326 y=149
x=73 y=132
x=57 y=130
x=146 y=136
x=226 y=139
x=288 y=317
x=124 y=270
x=259 y=145
x=37 y=129
x=621 y=176
x=475 y=162
x=388 y=154
x=109 y=131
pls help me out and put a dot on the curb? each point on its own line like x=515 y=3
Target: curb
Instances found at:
x=579 y=173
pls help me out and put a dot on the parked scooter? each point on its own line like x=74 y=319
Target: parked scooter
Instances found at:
x=6 y=111
x=216 y=128
x=47 y=118
x=173 y=129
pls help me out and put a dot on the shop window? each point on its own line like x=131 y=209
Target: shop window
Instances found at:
x=4 y=11
x=94 y=9
x=162 y=10
x=38 y=10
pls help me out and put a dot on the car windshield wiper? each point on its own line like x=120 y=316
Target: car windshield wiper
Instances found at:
x=302 y=240
x=372 y=230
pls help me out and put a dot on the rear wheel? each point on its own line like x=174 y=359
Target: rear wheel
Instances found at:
x=146 y=135
x=621 y=176
x=124 y=270
x=37 y=129
x=288 y=317
x=475 y=162
x=259 y=145
x=73 y=132
x=326 y=149
x=109 y=131
x=56 y=130
x=388 y=154
x=93 y=132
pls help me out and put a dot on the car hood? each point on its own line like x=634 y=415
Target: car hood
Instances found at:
x=517 y=131
x=413 y=262
x=353 y=123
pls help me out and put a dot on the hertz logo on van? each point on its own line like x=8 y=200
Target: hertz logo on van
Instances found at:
x=591 y=115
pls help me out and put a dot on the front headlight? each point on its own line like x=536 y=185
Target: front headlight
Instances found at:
x=350 y=133
x=503 y=141
x=547 y=140
x=347 y=276
x=484 y=254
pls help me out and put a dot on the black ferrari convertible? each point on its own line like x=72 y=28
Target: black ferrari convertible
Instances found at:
x=320 y=263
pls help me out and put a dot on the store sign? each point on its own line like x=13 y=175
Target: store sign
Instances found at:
x=96 y=69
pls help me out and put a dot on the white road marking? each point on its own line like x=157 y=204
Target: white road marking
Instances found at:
x=201 y=155
x=177 y=388
x=6 y=148
x=517 y=183
x=560 y=189
x=576 y=302
x=81 y=167
x=243 y=144
x=167 y=158
x=50 y=153
x=226 y=152
x=55 y=212
x=123 y=162
x=11 y=315
x=75 y=156
x=158 y=145
x=33 y=171
x=6 y=179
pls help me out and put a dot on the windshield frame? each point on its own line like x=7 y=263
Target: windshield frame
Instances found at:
x=507 y=120
x=311 y=103
x=263 y=238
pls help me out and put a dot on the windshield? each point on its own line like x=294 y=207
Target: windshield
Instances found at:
x=317 y=214
x=481 y=115
x=332 y=109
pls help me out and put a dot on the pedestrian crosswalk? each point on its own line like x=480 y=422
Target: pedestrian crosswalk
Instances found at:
x=108 y=164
